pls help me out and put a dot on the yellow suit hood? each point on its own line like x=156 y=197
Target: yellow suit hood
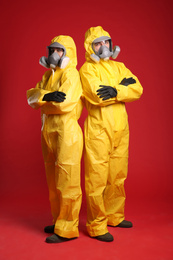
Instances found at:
x=92 y=34
x=70 y=46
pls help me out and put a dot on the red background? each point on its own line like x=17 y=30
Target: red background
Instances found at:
x=143 y=30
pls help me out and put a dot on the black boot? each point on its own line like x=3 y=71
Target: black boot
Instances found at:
x=105 y=238
x=125 y=224
x=49 y=229
x=57 y=239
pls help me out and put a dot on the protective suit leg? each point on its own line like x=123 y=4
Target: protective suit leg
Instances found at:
x=69 y=197
x=64 y=180
x=49 y=162
x=96 y=173
x=114 y=196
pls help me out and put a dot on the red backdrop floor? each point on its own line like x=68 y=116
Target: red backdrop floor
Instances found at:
x=22 y=236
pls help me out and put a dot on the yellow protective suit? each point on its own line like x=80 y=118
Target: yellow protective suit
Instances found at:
x=106 y=138
x=62 y=140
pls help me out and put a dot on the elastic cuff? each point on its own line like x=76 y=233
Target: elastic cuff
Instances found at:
x=67 y=234
x=95 y=233
x=114 y=222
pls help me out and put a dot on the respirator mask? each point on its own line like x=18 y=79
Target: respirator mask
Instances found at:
x=105 y=51
x=53 y=60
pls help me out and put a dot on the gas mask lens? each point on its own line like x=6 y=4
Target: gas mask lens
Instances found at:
x=53 y=49
x=101 y=41
x=97 y=45
x=102 y=47
x=56 y=56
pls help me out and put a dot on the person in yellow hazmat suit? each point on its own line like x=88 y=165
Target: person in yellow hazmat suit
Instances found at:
x=107 y=85
x=58 y=95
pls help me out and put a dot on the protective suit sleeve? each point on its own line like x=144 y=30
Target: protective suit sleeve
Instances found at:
x=71 y=86
x=35 y=95
x=91 y=82
x=131 y=92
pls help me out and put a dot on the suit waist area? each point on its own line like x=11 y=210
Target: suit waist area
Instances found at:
x=113 y=117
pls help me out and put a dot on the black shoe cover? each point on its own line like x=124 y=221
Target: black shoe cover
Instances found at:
x=105 y=238
x=49 y=229
x=125 y=224
x=57 y=239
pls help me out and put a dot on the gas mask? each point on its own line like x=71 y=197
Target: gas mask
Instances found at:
x=104 y=52
x=53 y=60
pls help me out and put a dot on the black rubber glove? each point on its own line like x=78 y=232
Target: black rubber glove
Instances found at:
x=56 y=96
x=128 y=81
x=106 y=92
